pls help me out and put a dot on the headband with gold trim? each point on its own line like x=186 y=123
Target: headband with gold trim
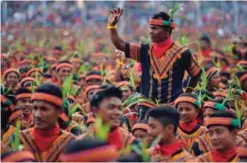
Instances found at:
x=141 y=126
x=19 y=156
x=48 y=98
x=94 y=77
x=23 y=95
x=26 y=61
x=162 y=22
x=63 y=65
x=222 y=121
x=10 y=70
x=26 y=79
x=187 y=99
x=15 y=115
x=105 y=153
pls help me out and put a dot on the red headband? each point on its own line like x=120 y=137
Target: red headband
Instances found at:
x=105 y=153
x=221 y=121
x=25 y=61
x=210 y=72
x=10 y=70
x=33 y=70
x=141 y=126
x=91 y=87
x=162 y=23
x=63 y=65
x=122 y=83
x=18 y=156
x=23 y=95
x=48 y=98
x=147 y=104
x=15 y=115
x=187 y=99
x=220 y=93
x=27 y=79
x=94 y=77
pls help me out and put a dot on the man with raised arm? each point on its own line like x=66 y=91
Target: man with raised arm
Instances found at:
x=163 y=61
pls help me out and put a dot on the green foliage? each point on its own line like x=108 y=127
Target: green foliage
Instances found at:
x=102 y=130
x=67 y=85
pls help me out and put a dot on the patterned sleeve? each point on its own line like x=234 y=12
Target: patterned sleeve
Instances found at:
x=190 y=64
x=132 y=51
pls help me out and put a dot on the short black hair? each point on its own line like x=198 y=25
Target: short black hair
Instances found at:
x=84 y=144
x=22 y=90
x=93 y=73
x=105 y=91
x=51 y=89
x=163 y=16
x=205 y=37
x=224 y=114
x=166 y=114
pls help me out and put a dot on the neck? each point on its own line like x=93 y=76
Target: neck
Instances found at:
x=163 y=43
x=47 y=132
x=188 y=126
x=232 y=148
x=168 y=141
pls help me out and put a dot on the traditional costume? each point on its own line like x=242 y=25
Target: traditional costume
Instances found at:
x=163 y=66
x=188 y=133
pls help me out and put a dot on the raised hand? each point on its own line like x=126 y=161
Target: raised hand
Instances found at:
x=114 y=16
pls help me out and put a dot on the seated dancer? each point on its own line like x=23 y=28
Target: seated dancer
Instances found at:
x=189 y=129
x=163 y=61
x=45 y=140
x=63 y=70
x=106 y=104
x=163 y=121
x=94 y=78
x=89 y=150
x=213 y=78
x=222 y=130
x=11 y=78
x=23 y=101
x=141 y=132
x=202 y=144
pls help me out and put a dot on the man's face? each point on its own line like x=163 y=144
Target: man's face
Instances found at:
x=26 y=105
x=76 y=65
x=45 y=115
x=158 y=33
x=36 y=75
x=63 y=72
x=110 y=109
x=140 y=134
x=215 y=81
x=221 y=138
x=12 y=79
x=187 y=112
x=204 y=45
x=22 y=122
x=207 y=112
x=126 y=92
x=156 y=129
x=94 y=82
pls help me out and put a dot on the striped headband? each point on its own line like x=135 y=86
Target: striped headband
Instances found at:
x=15 y=115
x=69 y=65
x=91 y=87
x=146 y=104
x=27 y=79
x=98 y=154
x=23 y=95
x=75 y=60
x=210 y=72
x=162 y=23
x=187 y=99
x=26 y=61
x=141 y=126
x=34 y=70
x=213 y=105
x=48 y=98
x=222 y=121
x=122 y=83
x=19 y=157
x=90 y=77
x=10 y=70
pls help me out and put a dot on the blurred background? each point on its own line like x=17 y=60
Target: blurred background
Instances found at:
x=87 y=20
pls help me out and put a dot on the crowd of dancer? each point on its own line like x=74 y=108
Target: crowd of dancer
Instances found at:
x=161 y=101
